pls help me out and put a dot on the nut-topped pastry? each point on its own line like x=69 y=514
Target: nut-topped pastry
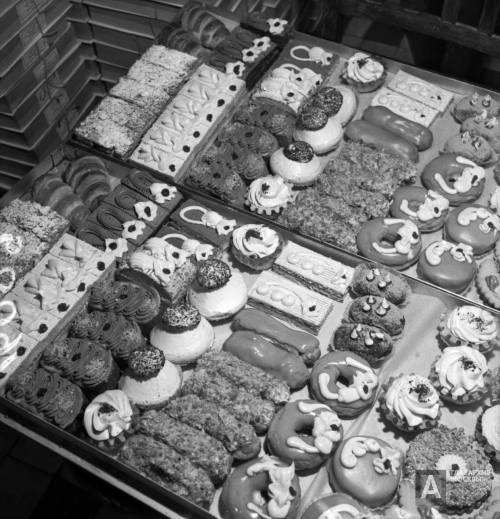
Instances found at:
x=485 y=126
x=296 y=163
x=377 y=311
x=475 y=104
x=471 y=146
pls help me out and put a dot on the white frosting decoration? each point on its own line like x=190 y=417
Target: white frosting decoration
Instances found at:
x=269 y=192
x=130 y=234
x=11 y=244
x=412 y=398
x=491 y=222
x=433 y=206
x=8 y=345
x=460 y=252
x=495 y=200
x=470 y=177
x=276 y=25
x=461 y=370
x=358 y=446
x=259 y=46
x=364 y=383
x=146 y=210
x=8 y=311
x=341 y=511
x=315 y=54
x=235 y=68
x=472 y=324
x=201 y=251
x=119 y=250
x=490 y=426
x=210 y=219
x=256 y=240
x=408 y=237
x=364 y=69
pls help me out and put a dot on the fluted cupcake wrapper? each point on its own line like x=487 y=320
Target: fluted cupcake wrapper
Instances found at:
x=255 y=263
x=491 y=452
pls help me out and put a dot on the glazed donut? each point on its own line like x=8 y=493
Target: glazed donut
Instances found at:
x=345 y=382
x=473 y=225
x=243 y=492
x=335 y=506
x=391 y=241
x=426 y=208
x=458 y=179
x=304 y=432
x=448 y=265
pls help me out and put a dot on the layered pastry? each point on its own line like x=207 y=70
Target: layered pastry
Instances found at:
x=471 y=146
x=170 y=59
x=364 y=72
x=485 y=126
x=296 y=164
x=475 y=104
x=150 y=97
x=269 y=195
x=256 y=246
x=488 y=431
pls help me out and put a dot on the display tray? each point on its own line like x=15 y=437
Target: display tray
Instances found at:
x=413 y=353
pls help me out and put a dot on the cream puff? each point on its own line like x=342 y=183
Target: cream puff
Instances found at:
x=296 y=164
x=321 y=132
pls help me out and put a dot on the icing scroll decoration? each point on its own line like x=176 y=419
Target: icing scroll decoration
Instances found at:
x=460 y=252
x=210 y=219
x=490 y=222
x=201 y=251
x=315 y=54
x=470 y=177
x=287 y=297
x=388 y=461
x=432 y=207
x=408 y=237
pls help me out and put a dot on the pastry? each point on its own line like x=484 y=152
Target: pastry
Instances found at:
x=305 y=433
x=108 y=420
x=364 y=72
x=488 y=281
x=475 y=104
x=410 y=403
x=277 y=28
x=293 y=302
x=218 y=291
x=485 y=126
x=321 y=132
x=195 y=249
x=243 y=492
x=256 y=246
x=378 y=281
x=170 y=59
x=426 y=208
x=203 y=25
x=377 y=311
x=339 y=504
x=150 y=380
x=269 y=195
x=310 y=52
x=296 y=164
x=469 y=325
x=157 y=76
x=448 y=265
x=367 y=459
x=344 y=382
x=175 y=37
x=455 y=177
x=471 y=146
x=488 y=431
x=182 y=334
x=249 y=137
x=339 y=102
x=151 y=97
x=461 y=375
x=391 y=241
x=369 y=342
x=315 y=271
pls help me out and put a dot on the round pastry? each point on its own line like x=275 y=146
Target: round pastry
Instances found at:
x=391 y=241
x=335 y=506
x=455 y=177
x=182 y=334
x=269 y=195
x=449 y=454
x=475 y=104
x=488 y=282
x=373 y=280
x=469 y=325
x=366 y=468
x=473 y=225
x=337 y=101
x=218 y=291
x=304 y=432
x=263 y=487
x=377 y=311
x=485 y=126
x=150 y=380
x=369 y=342
x=410 y=403
x=488 y=431
x=296 y=163
x=256 y=246
x=447 y=265
x=471 y=146
x=365 y=73
x=345 y=382
x=426 y=208
x=495 y=199
x=321 y=132
x=461 y=375
x=108 y=420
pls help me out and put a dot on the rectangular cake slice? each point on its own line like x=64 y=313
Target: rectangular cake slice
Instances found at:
x=153 y=98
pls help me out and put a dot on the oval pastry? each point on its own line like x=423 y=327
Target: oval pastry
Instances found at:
x=335 y=506
x=471 y=146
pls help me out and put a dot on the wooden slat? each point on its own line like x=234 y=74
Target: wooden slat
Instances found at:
x=451 y=9
x=489 y=16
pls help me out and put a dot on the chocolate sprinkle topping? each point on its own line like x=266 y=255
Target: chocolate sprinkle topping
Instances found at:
x=181 y=318
x=312 y=118
x=213 y=273
x=299 y=151
x=146 y=362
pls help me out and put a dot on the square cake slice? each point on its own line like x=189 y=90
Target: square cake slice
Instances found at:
x=152 y=98
x=170 y=59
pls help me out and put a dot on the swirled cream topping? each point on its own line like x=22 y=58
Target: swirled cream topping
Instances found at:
x=489 y=222
x=461 y=252
x=108 y=415
x=408 y=236
x=490 y=425
x=388 y=461
x=433 y=206
x=269 y=192
x=208 y=218
x=472 y=324
x=256 y=241
x=461 y=370
x=412 y=398
x=364 y=69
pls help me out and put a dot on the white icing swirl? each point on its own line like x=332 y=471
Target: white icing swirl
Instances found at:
x=461 y=252
x=256 y=241
x=461 y=370
x=412 y=398
x=490 y=222
x=269 y=192
x=495 y=200
x=408 y=237
x=364 y=69
x=389 y=459
x=470 y=177
x=490 y=425
x=210 y=219
x=433 y=206
x=472 y=324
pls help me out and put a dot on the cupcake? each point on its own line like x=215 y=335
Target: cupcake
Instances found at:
x=461 y=375
x=108 y=420
x=410 y=403
x=296 y=163
x=256 y=246
x=182 y=334
x=469 y=325
x=218 y=291
x=488 y=432
x=363 y=72
x=450 y=455
x=150 y=380
x=269 y=195
x=321 y=132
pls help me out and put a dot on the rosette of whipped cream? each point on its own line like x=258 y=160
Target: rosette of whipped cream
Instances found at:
x=364 y=69
x=268 y=194
x=472 y=324
x=256 y=241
